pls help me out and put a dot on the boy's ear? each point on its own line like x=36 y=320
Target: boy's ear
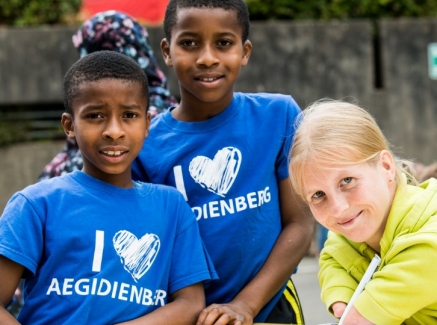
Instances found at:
x=148 y=118
x=67 y=124
x=247 y=49
x=165 y=49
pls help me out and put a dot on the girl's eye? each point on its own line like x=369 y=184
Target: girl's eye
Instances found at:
x=346 y=180
x=318 y=195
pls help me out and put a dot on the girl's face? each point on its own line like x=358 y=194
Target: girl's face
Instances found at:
x=352 y=200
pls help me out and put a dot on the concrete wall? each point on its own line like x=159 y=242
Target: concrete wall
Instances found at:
x=309 y=60
x=21 y=164
x=408 y=111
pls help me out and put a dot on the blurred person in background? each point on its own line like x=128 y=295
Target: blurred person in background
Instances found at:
x=114 y=31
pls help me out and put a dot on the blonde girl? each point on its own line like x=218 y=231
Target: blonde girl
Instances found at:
x=342 y=166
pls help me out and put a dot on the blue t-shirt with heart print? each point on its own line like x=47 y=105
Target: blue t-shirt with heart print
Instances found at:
x=228 y=169
x=99 y=254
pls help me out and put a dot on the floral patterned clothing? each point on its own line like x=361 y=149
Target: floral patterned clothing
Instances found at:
x=114 y=31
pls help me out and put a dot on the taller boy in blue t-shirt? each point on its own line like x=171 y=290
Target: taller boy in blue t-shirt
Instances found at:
x=93 y=246
x=228 y=154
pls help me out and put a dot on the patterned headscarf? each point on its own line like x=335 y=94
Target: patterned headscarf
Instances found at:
x=114 y=31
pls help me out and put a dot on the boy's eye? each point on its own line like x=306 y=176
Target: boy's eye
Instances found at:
x=130 y=115
x=94 y=115
x=188 y=43
x=224 y=42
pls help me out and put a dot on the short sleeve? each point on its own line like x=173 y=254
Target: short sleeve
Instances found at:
x=21 y=233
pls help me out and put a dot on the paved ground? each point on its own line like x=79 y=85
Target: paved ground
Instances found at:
x=308 y=289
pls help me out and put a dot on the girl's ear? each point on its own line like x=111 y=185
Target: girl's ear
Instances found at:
x=67 y=124
x=165 y=50
x=247 y=49
x=388 y=164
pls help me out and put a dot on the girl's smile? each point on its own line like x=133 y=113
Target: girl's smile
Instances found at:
x=352 y=200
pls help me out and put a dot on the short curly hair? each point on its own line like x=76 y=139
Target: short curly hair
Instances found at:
x=101 y=65
x=239 y=6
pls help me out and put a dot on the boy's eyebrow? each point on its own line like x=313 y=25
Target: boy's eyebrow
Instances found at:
x=132 y=106
x=194 y=34
x=93 y=106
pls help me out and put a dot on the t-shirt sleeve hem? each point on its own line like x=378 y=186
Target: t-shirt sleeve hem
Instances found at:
x=190 y=280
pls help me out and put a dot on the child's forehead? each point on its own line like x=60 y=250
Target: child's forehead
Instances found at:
x=187 y=15
x=111 y=87
x=106 y=84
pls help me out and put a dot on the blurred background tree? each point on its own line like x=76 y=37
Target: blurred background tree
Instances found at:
x=38 y=12
x=339 y=9
x=49 y=12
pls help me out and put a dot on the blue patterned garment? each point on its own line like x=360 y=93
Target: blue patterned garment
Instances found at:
x=114 y=31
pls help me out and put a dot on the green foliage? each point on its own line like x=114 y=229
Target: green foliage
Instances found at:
x=12 y=133
x=38 y=12
x=339 y=9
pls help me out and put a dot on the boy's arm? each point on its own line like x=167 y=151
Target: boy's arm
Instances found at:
x=10 y=274
x=184 y=308
x=291 y=246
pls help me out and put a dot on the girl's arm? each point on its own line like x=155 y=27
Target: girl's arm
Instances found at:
x=341 y=268
x=354 y=317
x=183 y=309
x=10 y=275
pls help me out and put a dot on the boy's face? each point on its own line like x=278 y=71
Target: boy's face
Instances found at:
x=207 y=53
x=110 y=124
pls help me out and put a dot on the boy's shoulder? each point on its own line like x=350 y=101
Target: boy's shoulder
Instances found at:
x=46 y=186
x=264 y=95
x=268 y=104
x=263 y=98
x=160 y=189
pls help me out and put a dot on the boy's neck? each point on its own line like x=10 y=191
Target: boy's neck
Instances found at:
x=196 y=112
x=122 y=180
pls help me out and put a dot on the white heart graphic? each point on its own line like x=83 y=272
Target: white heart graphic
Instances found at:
x=136 y=255
x=219 y=174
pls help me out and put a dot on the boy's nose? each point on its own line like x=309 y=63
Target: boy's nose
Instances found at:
x=207 y=57
x=113 y=130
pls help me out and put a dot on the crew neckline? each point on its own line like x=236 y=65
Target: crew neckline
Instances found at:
x=206 y=125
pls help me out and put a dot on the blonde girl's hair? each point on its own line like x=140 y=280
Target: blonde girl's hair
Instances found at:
x=333 y=132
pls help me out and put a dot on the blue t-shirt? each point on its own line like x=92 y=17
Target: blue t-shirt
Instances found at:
x=228 y=169
x=99 y=254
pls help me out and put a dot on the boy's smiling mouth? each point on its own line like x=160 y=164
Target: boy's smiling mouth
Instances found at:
x=208 y=79
x=113 y=153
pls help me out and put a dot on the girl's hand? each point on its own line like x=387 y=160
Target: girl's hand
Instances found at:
x=338 y=308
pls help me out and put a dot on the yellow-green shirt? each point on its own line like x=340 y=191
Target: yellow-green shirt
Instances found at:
x=404 y=288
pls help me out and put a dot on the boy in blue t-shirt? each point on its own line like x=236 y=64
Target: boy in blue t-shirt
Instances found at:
x=93 y=246
x=227 y=153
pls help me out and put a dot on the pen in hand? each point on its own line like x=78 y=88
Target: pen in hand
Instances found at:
x=366 y=278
